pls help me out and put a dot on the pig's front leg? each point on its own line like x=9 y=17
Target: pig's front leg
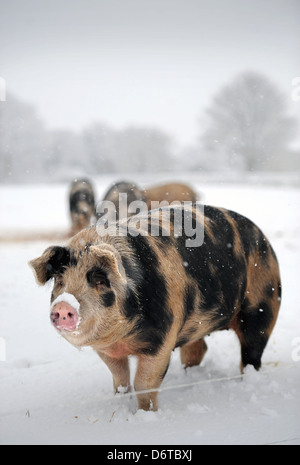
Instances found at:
x=150 y=374
x=119 y=368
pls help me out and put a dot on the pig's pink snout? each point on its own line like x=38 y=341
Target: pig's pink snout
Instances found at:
x=64 y=316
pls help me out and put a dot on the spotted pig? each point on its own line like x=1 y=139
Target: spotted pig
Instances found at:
x=145 y=296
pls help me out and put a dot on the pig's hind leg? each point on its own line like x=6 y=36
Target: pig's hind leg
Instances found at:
x=253 y=326
x=192 y=354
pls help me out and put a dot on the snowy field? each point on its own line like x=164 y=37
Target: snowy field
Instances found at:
x=52 y=393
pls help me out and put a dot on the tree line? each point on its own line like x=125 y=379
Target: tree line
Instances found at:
x=246 y=128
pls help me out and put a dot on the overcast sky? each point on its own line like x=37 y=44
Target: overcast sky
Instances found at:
x=156 y=62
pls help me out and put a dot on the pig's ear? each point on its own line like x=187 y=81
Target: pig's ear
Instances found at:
x=50 y=264
x=110 y=260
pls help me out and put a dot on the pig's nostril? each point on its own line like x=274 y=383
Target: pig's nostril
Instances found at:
x=54 y=316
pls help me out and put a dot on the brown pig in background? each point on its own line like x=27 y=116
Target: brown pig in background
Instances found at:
x=144 y=296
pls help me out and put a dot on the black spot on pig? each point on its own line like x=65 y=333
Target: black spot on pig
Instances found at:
x=108 y=299
x=149 y=300
x=60 y=259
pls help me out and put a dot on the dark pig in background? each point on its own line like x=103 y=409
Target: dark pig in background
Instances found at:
x=82 y=204
x=144 y=296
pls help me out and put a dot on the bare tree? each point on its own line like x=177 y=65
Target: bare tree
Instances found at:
x=133 y=149
x=247 y=126
x=29 y=152
x=99 y=142
x=142 y=149
x=22 y=141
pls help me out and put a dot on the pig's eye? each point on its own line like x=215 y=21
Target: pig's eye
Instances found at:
x=97 y=278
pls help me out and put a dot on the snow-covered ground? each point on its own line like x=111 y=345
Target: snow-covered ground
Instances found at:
x=51 y=393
